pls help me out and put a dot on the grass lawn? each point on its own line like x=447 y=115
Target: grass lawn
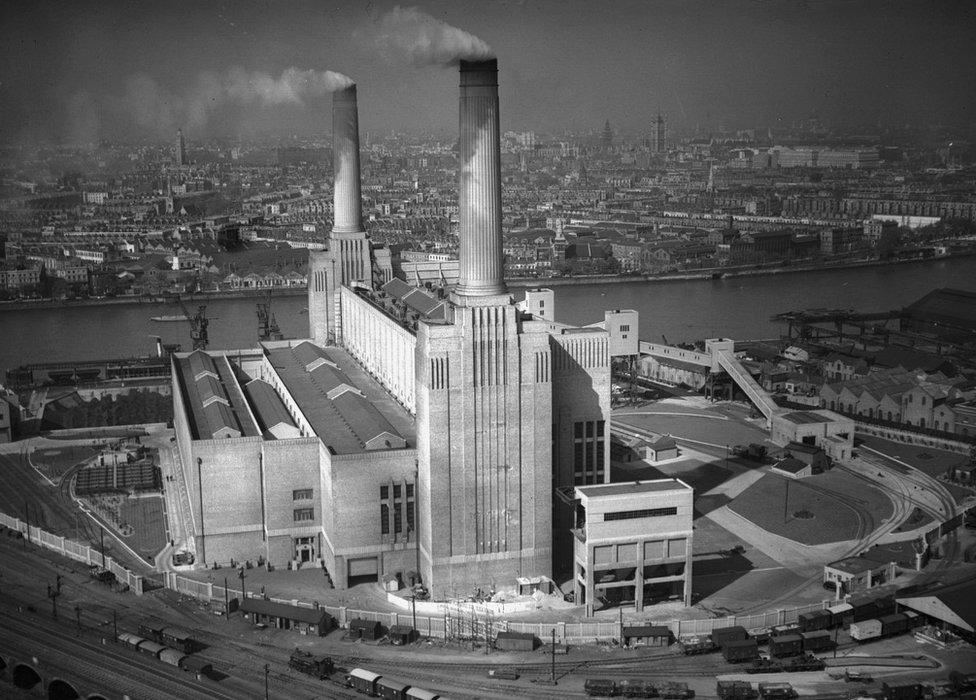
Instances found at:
x=145 y=515
x=55 y=461
x=830 y=507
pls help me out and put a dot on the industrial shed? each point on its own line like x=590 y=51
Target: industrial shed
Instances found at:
x=282 y=616
x=365 y=629
x=953 y=606
x=515 y=641
x=646 y=635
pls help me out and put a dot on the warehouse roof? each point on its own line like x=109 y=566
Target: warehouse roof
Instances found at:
x=266 y=404
x=260 y=606
x=215 y=403
x=955 y=604
x=335 y=408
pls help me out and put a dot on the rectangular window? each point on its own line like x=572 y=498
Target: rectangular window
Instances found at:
x=599 y=428
x=304 y=514
x=631 y=514
x=384 y=491
x=625 y=329
x=410 y=517
x=409 y=490
x=396 y=490
x=384 y=519
x=578 y=430
x=301 y=495
x=397 y=516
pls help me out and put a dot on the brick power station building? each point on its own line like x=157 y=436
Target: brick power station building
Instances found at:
x=413 y=431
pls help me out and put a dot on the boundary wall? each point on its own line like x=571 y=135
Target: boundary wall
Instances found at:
x=74 y=550
x=476 y=619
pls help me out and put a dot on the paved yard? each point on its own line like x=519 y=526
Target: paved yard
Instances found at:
x=830 y=507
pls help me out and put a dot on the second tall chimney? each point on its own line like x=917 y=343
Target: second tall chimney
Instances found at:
x=480 y=190
x=346 y=202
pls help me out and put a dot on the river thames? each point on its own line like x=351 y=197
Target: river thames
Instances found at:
x=737 y=307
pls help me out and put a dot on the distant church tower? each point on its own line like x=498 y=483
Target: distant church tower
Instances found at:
x=180 y=149
x=606 y=139
x=660 y=136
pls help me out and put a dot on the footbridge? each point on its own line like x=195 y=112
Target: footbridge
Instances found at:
x=718 y=356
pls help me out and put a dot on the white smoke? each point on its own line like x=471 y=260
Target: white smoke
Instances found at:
x=153 y=107
x=429 y=41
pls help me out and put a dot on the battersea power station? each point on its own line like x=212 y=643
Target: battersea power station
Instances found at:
x=413 y=431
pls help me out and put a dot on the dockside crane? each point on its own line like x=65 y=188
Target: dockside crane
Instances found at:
x=198 y=325
x=268 y=328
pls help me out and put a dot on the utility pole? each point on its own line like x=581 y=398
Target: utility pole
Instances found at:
x=413 y=604
x=240 y=574
x=53 y=595
x=226 y=601
x=101 y=532
x=27 y=519
x=552 y=673
x=115 y=623
x=786 y=502
x=267 y=696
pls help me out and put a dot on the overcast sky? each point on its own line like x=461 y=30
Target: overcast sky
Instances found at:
x=72 y=71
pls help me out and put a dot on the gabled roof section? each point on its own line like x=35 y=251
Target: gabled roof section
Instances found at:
x=201 y=364
x=267 y=405
x=336 y=409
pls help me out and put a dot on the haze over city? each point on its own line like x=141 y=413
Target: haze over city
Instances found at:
x=368 y=350
x=79 y=72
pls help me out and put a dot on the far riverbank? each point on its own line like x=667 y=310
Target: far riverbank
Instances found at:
x=712 y=273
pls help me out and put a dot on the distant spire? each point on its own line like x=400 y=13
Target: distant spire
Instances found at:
x=607 y=137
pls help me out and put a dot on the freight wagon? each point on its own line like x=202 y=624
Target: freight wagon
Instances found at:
x=636 y=688
x=841 y=615
x=607 y=688
x=722 y=635
x=740 y=650
x=817 y=641
x=817 y=620
x=375 y=685
x=786 y=645
x=735 y=690
x=776 y=691
x=695 y=647
x=150 y=648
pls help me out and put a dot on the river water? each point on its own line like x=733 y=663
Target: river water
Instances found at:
x=680 y=311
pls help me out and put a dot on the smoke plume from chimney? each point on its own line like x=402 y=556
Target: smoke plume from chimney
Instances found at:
x=150 y=106
x=428 y=41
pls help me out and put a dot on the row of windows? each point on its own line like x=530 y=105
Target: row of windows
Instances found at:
x=385 y=491
x=301 y=495
x=648 y=513
x=401 y=504
x=588 y=452
x=304 y=514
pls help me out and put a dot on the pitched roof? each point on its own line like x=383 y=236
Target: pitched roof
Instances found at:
x=266 y=404
x=338 y=412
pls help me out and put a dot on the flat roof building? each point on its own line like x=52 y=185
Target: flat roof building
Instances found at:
x=633 y=542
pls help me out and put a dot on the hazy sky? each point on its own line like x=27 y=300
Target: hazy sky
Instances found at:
x=76 y=70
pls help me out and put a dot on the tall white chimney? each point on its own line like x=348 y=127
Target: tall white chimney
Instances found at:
x=480 y=189
x=348 y=215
